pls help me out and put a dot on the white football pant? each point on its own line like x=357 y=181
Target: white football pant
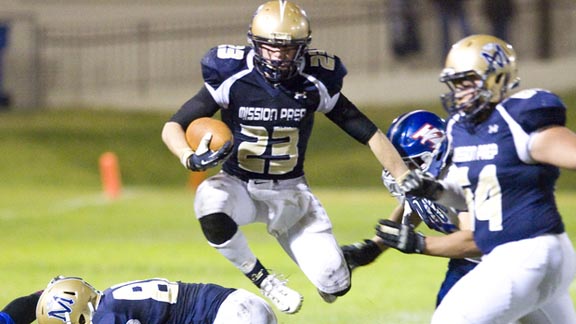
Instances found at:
x=243 y=307
x=292 y=214
x=527 y=279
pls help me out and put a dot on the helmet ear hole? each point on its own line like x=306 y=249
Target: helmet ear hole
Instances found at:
x=82 y=319
x=499 y=78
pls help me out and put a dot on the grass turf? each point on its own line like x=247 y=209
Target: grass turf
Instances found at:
x=152 y=232
x=55 y=219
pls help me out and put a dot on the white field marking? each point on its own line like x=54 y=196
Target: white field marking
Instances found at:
x=70 y=205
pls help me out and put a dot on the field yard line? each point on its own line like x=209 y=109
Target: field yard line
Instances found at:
x=77 y=203
x=71 y=204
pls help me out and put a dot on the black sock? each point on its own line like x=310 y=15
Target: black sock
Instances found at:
x=257 y=274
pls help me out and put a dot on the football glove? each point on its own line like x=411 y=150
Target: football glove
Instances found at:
x=204 y=158
x=360 y=253
x=420 y=184
x=400 y=236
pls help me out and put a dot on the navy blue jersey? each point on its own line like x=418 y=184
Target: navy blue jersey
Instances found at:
x=510 y=195
x=159 y=301
x=271 y=123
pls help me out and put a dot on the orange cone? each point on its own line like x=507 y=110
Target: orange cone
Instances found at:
x=110 y=175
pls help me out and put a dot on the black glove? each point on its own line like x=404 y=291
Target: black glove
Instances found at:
x=204 y=158
x=400 y=236
x=360 y=253
x=419 y=184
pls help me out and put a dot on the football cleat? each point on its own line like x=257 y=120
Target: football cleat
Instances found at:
x=329 y=298
x=285 y=299
x=360 y=254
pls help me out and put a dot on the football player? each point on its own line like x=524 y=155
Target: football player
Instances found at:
x=419 y=136
x=507 y=151
x=268 y=93
x=71 y=300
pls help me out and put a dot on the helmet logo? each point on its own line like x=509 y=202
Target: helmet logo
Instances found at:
x=60 y=307
x=494 y=55
x=428 y=135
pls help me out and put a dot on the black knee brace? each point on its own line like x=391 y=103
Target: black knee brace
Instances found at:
x=218 y=228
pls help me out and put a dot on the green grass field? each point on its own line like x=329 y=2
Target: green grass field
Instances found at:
x=54 y=218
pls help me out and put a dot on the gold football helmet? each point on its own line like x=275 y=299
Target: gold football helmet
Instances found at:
x=68 y=300
x=279 y=24
x=486 y=62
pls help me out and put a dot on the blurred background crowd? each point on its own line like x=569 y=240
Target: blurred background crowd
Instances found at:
x=145 y=54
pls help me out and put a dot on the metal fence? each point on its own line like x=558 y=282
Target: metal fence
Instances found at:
x=147 y=54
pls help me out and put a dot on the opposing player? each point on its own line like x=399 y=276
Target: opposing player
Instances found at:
x=268 y=94
x=71 y=300
x=419 y=136
x=508 y=149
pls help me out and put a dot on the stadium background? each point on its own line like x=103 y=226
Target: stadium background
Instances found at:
x=145 y=54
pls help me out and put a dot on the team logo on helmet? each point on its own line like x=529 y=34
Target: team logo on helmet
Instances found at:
x=59 y=307
x=495 y=56
x=428 y=135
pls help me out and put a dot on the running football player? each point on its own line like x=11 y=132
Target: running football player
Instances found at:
x=268 y=93
x=507 y=151
x=71 y=300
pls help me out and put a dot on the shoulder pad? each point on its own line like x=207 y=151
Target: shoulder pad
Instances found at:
x=327 y=68
x=536 y=108
x=223 y=61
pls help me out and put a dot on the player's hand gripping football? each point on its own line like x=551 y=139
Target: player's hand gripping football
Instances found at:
x=419 y=184
x=204 y=158
x=400 y=236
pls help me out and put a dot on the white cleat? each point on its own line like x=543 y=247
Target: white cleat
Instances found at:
x=285 y=299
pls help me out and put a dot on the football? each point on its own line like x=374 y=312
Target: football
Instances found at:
x=196 y=130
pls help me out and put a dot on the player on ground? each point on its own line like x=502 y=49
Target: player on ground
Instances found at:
x=71 y=300
x=507 y=151
x=268 y=94
x=419 y=136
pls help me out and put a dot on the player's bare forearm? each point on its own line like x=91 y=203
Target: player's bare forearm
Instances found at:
x=387 y=154
x=455 y=245
x=174 y=137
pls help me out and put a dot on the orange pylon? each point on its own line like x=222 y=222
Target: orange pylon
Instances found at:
x=110 y=175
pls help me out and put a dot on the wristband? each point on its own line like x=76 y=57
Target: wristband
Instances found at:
x=420 y=245
x=184 y=156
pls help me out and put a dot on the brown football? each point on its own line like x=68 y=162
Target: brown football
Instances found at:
x=197 y=128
